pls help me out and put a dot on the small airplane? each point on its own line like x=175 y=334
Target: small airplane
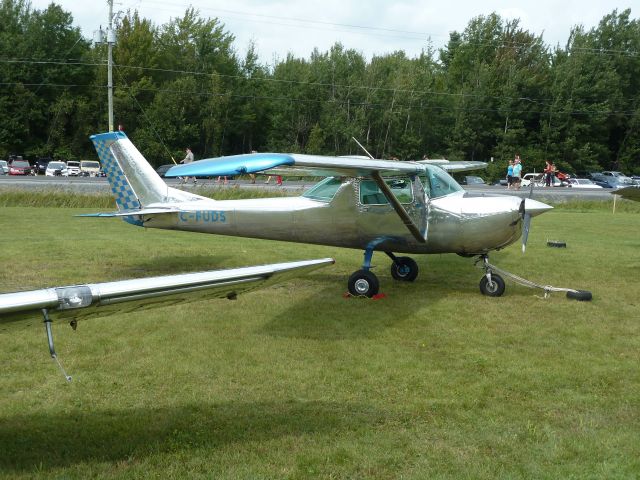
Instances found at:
x=363 y=203
x=629 y=193
x=81 y=302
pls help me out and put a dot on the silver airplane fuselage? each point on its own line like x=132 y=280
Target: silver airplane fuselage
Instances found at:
x=452 y=223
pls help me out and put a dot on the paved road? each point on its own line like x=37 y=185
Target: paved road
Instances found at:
x=95 y=185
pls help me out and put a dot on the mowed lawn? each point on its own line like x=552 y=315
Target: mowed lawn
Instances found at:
x=296 y=381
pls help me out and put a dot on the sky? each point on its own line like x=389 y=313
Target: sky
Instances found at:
x=374 y=27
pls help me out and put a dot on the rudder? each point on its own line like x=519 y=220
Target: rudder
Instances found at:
x=134 y=183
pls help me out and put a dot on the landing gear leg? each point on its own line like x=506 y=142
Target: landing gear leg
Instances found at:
x=364 y=283
x=403 y=268
x=491 y=284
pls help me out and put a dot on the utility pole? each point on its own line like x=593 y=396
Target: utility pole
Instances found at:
x=108 y=37
x=111 y=38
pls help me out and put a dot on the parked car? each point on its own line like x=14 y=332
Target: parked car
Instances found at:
x=539 y=180
x=73 y=168
x=162 y=169
x=19 y=167
x=617 y=179
x=56 y=169
x=611 y=180
x=89 y=168
x=581 y=183
x=41 y=165
x=4 y=167
x=527 y=178
x=471 y=180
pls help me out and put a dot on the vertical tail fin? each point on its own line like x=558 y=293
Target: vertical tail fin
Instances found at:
x=134 y=183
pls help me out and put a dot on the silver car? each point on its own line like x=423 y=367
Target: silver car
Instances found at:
x=4 y=168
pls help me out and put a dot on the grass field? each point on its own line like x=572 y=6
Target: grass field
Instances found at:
x=432 y=381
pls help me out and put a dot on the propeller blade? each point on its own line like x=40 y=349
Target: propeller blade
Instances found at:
x=526 y=224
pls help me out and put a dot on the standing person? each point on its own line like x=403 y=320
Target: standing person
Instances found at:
x=252 y=176
x=278 y=179
x=547 y=173
x=517 y=172
x=510 y=175
x=188 y=159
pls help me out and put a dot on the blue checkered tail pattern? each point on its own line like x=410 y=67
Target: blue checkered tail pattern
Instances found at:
x=134 y=183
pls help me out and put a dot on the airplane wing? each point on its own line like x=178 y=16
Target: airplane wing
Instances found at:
x=315 y=165
x=104 y=299
x=458 y=166
x=295 y=164
x=630 y=193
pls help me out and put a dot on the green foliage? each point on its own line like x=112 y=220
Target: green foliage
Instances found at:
x=494 y=90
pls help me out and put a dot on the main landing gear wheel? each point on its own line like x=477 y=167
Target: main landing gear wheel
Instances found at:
x=363 y=283
x=405 y=269
x=493 y=288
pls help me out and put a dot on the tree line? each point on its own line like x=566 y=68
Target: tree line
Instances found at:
x=494 y=90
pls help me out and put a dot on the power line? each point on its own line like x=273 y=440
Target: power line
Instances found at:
x=290 y=82
x=378 y=31
x=397 y=105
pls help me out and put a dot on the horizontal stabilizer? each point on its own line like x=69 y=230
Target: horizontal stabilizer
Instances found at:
x=128 y=213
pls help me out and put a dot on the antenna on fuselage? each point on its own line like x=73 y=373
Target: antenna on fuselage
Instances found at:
x=365 y=150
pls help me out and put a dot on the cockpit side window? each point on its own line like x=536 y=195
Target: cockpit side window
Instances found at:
x=370 y=194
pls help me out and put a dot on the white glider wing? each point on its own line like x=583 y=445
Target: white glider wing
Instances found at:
x=103 y=299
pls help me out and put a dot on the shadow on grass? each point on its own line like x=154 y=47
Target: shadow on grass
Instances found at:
x=52 y=440
x=331 y=314
x=174 y=264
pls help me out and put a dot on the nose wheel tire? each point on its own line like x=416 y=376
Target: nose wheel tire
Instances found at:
x=363 y=283
x=405 y=269
x=493 y=288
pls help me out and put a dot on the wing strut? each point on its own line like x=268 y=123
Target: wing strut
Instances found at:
x=397 y=206
x=52 y=349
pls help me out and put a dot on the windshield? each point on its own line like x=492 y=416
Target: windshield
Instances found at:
x=73 y=164
x=57 y=165
x=325 y=190
x=90 y=165
x=20 y=163
x=438 y=183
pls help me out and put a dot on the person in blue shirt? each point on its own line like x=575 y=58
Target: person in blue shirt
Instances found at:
x=510 y=175
x=517 y=172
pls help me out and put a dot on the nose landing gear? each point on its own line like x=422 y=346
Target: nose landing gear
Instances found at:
x=491 y=284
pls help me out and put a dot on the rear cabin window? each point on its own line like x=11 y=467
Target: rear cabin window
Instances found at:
x=325 y=190
x=370 y=194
